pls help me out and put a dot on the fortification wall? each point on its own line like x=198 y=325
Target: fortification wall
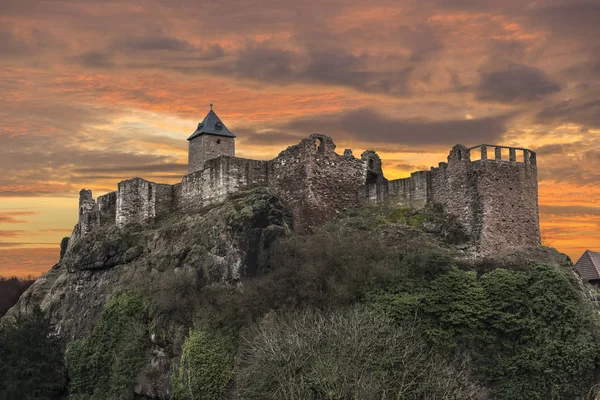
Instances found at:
x=414 y=191
x=495 y=200
x=136 y=202
x=220 y=176
x=107 y=206
x=89 y=216
x=315 y=182
x=507 y=201
x=163 y=199
x=453 y=187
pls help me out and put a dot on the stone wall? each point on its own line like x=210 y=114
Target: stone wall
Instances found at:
x=495 y=200
x=220 y=176
x=89 y=216
x=207 y=147
x=507 y=201
x=107 y=206
x=453 y=186
x=163 y=199
x=136 y=202
x=315 y=182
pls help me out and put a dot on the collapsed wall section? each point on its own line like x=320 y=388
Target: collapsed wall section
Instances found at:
x=107 y=206
x=89 y=216
x=315 y=182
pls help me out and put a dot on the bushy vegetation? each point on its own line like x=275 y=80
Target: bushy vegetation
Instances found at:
x=531 y=333
x=375 y=305
x=106 y=363
x=352 y=353
x=206 y=365
x=31 y=358
x=10 y=291
x=369 y=288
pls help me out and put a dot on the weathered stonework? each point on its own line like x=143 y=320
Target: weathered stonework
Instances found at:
x=495 y=200
x=140 y=201
x=208 y=147
x=315 y=182
x=89 y=215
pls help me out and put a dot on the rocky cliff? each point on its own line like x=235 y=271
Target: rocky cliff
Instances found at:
x=220 y=245
x=229 y=303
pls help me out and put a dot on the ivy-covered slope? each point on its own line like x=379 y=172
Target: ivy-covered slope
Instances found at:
x=382 y=303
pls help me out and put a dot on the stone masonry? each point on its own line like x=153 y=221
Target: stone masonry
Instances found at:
x=495 y=200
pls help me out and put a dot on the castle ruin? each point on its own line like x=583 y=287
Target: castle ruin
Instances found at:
x=494 y=199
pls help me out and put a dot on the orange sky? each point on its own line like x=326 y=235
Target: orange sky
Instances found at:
x=92 y=93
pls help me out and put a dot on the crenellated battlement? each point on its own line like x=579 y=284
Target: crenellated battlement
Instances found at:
x=515 y=154
x=493 y=198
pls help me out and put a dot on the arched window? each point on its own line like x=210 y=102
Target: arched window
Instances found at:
x=319 y=144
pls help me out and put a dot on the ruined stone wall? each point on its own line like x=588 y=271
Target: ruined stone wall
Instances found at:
x=107 y=206
x=220 y=176
x=136 y=202
x=453 y=187
x=495 y=200
x=163 y=199
x=315 y=182
x=399 y=191
x=207 y=147
x=414 y=191
x=89 y=216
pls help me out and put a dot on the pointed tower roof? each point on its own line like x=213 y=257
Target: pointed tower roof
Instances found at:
x=588 y=265
x=211 y=125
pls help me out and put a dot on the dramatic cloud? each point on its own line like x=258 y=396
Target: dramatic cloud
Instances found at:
x=517 y=83
x=574 y=111
x=92 y=93
x=367 y=125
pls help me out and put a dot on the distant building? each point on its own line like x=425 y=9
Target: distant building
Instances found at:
x=588 y=266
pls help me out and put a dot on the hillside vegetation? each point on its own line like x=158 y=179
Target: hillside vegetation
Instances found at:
x=382 y=303
x=10 y=291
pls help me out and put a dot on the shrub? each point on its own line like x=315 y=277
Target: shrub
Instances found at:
x=31 y=355
x=106 y=363
x=206 y=365
x=531 y=332
x=345 y=354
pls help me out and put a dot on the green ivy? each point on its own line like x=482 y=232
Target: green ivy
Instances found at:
x=106 y=363
x=532 y=333
x=206 y=365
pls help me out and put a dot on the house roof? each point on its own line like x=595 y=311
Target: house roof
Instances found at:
x=211 y=125
x=588 y=265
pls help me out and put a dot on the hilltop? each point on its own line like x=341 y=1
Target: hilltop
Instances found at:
x=230 y=302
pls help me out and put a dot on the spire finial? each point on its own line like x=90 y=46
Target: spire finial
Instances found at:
x=211 y=106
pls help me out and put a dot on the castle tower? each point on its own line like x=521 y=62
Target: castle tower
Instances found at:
x=210 y=140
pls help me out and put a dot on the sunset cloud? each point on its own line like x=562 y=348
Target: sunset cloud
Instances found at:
x=92 y=93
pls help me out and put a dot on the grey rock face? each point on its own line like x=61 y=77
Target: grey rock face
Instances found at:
x=221 y=245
